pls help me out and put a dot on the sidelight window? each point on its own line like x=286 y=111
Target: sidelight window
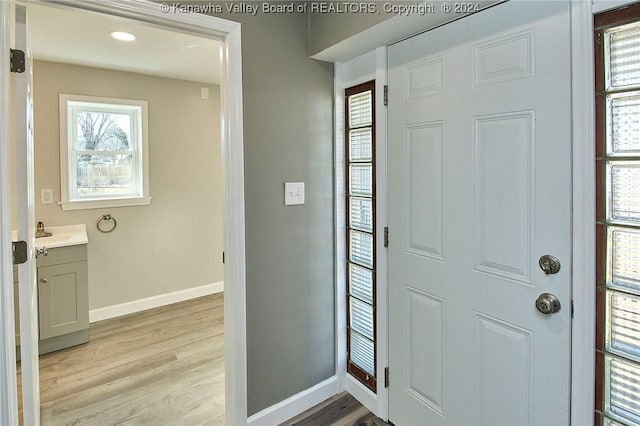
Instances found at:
x=617 y=40
x=361 y=270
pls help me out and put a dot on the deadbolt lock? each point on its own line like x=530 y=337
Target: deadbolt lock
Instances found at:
x=549 y=264
x=548 y=303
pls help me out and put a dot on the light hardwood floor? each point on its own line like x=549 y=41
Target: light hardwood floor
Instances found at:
x=160 y=367
x=164 y=366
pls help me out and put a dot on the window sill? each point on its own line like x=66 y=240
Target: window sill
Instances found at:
x=110 y=202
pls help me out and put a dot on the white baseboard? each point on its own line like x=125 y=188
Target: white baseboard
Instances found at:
x=154 y=301
x=296 y=404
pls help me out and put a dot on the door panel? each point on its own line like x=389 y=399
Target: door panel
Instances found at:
x=504 y=58
x=424 y=186
x=507 y=184
x=503 y=373
x=62 y=299
x=479 y=189
x=425 y=326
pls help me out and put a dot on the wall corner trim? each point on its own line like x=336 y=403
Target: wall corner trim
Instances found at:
x=364 y=396
x=295 y=404
x=139 y=305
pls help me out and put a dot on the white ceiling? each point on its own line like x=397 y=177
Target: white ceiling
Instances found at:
x=79 y=37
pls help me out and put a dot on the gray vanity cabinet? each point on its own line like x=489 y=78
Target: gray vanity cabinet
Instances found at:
x=63 y=298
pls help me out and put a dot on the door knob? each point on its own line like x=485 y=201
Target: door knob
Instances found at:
x=548 y=304
x=549 y=264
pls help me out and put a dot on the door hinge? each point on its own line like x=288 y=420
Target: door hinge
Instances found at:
x=20 y=252
x=386 y=377
x=386 y=236
x=386 y=95
x=17 y=61
x=223 y=258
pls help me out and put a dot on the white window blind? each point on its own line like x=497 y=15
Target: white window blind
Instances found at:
x=623 y=316
x=362 y=352
x=623 y=115
x=622 y=394
x=623 y=45
x=361 y=280
x=624 y=191
x=624 y=258
x=360 y=109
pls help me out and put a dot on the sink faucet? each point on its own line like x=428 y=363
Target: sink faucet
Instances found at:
x=40 y=232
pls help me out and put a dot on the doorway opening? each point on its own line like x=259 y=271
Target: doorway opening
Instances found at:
x=231 y=162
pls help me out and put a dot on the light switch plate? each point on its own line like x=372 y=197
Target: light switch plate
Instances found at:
x=46 y=196
x=293 y=193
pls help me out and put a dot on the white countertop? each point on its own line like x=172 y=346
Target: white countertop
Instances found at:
x=63 y=236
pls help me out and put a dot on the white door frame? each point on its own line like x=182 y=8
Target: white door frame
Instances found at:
x=228 y=33
x=8 y=379
x=377 y=403
x=583 y=216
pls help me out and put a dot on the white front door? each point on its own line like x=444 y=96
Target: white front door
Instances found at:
x=479 y=188
x=28 y=294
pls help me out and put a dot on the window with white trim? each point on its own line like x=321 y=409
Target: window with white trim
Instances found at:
x=104 y=152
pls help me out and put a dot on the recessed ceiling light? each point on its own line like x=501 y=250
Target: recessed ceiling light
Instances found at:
x=122 y=35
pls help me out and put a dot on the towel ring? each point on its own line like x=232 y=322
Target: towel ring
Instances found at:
x=106 y=217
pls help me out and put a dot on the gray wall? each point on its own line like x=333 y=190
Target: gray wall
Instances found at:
x=327 y=29
x=288 y=137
